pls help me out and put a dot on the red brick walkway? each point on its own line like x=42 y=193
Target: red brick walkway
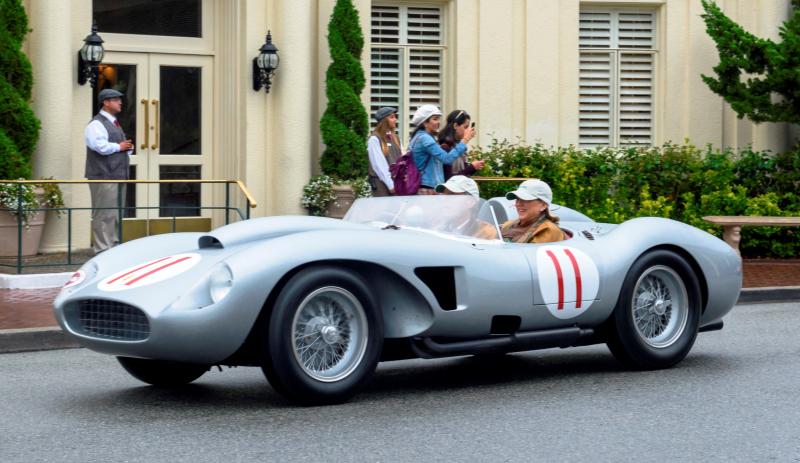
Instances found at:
x=32 y=308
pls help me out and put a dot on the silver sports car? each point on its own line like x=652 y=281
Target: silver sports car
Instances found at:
x=317 y=302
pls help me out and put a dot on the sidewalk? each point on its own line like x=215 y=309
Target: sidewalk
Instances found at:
x=28 y=312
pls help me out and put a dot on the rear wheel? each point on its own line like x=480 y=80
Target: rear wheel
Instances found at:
x=162 y=372
x=324 y=337
x=657 y=316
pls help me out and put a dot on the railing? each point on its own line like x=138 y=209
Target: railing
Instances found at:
x=20 y=210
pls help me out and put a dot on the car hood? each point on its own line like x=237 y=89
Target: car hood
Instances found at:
x=271 y=227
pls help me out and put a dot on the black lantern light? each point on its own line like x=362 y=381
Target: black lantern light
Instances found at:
x=89 y=57
x=265 y=65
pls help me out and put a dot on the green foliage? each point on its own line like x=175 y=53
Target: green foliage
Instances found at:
x=753 y=70
x=318 y=194
x=19 y=127
x=681 y=182
x=344 y=125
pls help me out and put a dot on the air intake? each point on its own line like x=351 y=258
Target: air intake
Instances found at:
x=588 y=235
x=104 y=319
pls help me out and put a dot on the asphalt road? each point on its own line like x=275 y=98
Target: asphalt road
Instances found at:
x=735 y=398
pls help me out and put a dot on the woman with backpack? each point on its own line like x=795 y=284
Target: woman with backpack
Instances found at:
x=384 y=149
x=429 y=157
x=456 y=125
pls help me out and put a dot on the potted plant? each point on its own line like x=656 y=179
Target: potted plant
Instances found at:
x=320 y=195
x=19 y=131
x=344 y=125
x=22 y=205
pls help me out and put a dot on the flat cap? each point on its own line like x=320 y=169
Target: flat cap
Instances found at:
x=384 y=112
x=107 y=93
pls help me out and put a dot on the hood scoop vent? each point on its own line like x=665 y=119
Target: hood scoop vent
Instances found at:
x=207 y=241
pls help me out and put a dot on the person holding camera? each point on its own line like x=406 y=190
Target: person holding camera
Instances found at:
x=456 y=125
x=107 y=151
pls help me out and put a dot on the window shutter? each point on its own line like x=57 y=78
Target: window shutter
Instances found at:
x=385 y=80
x=595 y=99
x=424 y=26
x=595 y=29
x=636 y=30
x=635 y=98
x=424 y=78
x=385 y=24
x=616 y=83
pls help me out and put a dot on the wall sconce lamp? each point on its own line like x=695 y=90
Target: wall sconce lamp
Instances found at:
x=89 y=57
x=265 y=65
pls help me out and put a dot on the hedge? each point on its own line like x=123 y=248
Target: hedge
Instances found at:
x=682 y=182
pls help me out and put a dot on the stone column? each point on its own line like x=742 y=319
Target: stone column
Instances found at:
x=53 y=55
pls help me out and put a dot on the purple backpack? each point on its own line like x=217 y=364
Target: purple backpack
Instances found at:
x=405 y=175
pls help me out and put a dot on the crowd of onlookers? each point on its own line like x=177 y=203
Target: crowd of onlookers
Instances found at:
x=440 y=155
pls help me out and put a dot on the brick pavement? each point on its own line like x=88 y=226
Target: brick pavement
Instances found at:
x=32 y=308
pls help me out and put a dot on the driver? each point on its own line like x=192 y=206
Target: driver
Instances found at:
x=535 y=223
x=462 y=185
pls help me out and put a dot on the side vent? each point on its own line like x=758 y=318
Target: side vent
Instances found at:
x=208 y=242
x=442 y=282
x=588 y=235
x=505 y=324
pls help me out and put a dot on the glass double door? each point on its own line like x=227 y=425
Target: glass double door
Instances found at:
x=167 y=113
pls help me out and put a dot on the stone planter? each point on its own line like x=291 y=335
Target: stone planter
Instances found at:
x=31 y=235
x=344 y=199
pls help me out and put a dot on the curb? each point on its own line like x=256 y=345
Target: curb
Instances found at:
x=34 y=281
x=32 y=339
x=769 y=294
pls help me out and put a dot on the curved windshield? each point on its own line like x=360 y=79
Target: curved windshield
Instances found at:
x=452 y=215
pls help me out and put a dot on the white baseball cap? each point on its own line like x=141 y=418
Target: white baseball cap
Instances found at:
x=532 y=189
x=423 y=113
x=459 y=184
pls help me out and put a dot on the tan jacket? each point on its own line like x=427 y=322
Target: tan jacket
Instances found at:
x=545 y=232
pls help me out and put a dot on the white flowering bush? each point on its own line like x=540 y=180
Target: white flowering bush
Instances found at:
x=318 y=194
x=361 y=187
x=11 y=193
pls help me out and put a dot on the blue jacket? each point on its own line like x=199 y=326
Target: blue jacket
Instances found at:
x=430 y=158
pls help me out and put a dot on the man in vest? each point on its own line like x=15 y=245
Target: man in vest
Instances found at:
x=107 y=151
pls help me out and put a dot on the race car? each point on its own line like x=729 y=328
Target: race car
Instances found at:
x=317 y=303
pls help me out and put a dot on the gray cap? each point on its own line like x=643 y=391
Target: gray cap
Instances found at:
x=107 y=93
x=384 y=112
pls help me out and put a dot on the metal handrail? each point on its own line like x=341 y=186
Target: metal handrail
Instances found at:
x=250 y=203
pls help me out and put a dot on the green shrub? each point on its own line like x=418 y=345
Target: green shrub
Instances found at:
x=19 y=127
x=681 y=182
x=344 y=125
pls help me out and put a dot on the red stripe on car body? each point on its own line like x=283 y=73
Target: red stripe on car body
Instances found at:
x=560 y=280
x=577 y=270
x=137 y=269
x=157 y=269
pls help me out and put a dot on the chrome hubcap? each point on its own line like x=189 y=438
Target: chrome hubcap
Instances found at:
x=329 y=334
x=660 y=306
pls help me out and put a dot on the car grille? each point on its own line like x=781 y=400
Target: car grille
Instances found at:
x=112 y=320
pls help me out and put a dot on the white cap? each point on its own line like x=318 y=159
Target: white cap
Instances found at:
x=532 y=189
x=459 y=184
x=423 y=113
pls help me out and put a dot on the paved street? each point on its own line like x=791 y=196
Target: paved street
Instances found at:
x=735 y=398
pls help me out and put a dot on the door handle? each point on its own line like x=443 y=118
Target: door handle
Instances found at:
x=157 y=121
x=146 y=124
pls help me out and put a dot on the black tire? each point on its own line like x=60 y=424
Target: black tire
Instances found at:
x=665 y=327
x=324 y=314
x=162 y=372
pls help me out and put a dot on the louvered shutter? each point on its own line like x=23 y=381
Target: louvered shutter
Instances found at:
x=406 y=59
x=616 y=87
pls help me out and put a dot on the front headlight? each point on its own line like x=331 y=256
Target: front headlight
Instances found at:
x=220 y=282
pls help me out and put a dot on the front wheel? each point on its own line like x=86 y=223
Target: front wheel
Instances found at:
x=324 y=337
x=162 y=372
x=655 y=322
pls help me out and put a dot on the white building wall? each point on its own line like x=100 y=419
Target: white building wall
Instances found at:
x=513 y=64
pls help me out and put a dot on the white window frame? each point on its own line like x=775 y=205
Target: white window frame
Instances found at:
x=616 y=52
x=405 y=49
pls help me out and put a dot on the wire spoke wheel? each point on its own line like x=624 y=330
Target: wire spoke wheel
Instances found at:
x=329 y=334
x=660 y=306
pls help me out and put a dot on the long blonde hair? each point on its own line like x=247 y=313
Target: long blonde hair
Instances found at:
x=381 y=131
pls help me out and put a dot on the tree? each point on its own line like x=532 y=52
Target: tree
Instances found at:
x=769 y=68
x=344 y=125
x=19 y=127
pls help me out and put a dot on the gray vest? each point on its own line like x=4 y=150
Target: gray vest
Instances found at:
x=113 y=166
